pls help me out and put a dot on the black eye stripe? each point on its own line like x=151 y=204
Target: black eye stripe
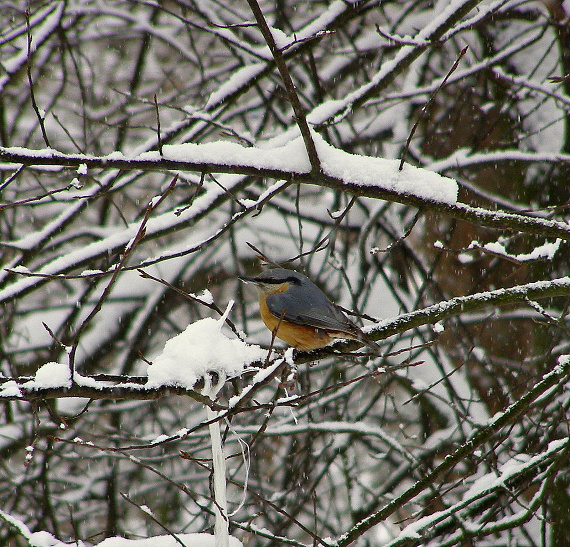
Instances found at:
x=270 y=280
x=275 y=281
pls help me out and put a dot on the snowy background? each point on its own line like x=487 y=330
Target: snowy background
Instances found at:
x=150 y=154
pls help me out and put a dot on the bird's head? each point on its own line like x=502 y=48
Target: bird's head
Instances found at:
x=275 y=280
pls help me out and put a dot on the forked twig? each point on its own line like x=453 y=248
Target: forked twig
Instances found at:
x=128 y=250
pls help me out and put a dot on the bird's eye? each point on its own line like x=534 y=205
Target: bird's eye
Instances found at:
x=293 y=280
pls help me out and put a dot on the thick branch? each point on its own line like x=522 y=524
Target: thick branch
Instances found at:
x=474 y=215
x=98 y=387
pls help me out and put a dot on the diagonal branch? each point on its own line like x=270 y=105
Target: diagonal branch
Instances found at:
x=450 y=308
x=557 y=377
x=300 y=115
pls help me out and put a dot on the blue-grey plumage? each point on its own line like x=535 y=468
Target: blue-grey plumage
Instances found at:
x=300 y=313
x=305 y=304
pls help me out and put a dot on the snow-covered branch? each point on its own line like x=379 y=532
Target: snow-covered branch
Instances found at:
x=557 y=377
x=361 y=176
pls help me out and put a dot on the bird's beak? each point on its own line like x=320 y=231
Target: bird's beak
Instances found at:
x=246 y=279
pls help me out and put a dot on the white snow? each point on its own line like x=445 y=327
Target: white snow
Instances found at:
x=44 y=539
x=20 y=269
x=50 y=18
x=438 y=327
x=385 y=173
x=292 y=157
x=563 y=362
x=237 y=80
x=204 y=296
x=200 y=349
x=511 y=468
x=34 y=539
x=259 y=377
x=10 y=389
x=50 y=375
x=545 y=251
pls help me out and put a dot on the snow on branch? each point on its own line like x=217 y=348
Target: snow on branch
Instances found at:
x=457 y=306
x=156 y=226
x=558 y=376
x=189 y=356
x=474 y=499
x=44 y=23
x=360 y=175
x=94 y=387
x=390 y=70
x=377 y=177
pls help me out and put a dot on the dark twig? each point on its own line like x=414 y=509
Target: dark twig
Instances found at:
x=300 y=117
x=31 y=82
x=211 y=305
x=146 y=510
x=324 y=242
x=427 y=106
x=554 y=378
x=12 y=177
x=158 y=135
x=131 y=245
x=402 y=237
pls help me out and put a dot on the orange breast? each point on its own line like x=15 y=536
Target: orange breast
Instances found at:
x=298 y=336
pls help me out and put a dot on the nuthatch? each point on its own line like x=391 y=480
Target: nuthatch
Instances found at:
x=299 y=313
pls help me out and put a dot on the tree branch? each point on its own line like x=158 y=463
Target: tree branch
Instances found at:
x=300 y=114
x=474 y=215
x=98 y=388
x=557 y=376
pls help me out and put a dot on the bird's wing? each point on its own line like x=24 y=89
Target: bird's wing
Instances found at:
x=314 y=312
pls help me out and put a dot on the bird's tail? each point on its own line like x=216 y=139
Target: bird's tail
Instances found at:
x=361 y=337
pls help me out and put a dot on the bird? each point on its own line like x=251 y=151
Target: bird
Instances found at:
x=299 y=313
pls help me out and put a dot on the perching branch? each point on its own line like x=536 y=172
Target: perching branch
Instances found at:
x=130 y=388
x=451 y=308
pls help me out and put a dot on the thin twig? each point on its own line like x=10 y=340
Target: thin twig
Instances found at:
x=12 y=178
x=402 y=237
x=149 y=514
x=426 y=107
x=31 y=82
x=158 y=135
x=131 y=245
x=193 y=298
x=324 y=242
